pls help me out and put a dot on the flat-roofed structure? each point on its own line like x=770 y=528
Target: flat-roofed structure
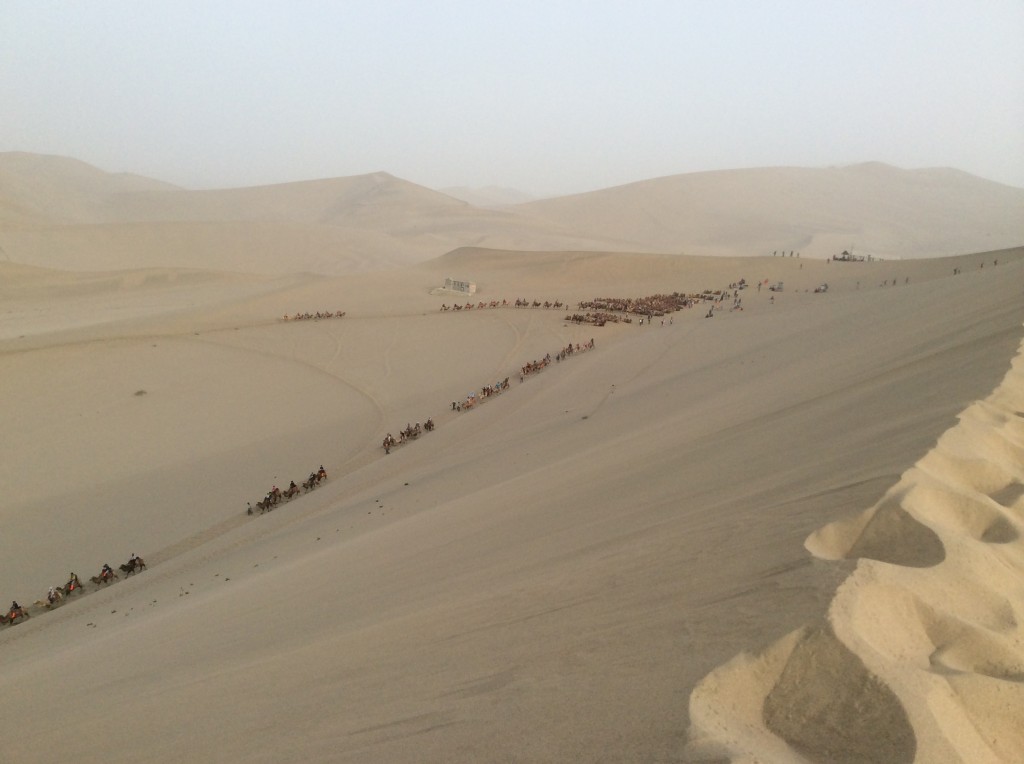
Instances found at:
x=454 y=285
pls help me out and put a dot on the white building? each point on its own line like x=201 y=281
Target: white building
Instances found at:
x=466 y=287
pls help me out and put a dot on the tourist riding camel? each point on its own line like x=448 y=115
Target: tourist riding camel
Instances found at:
x=134 y=565
x=16 y=611
x=73 y=584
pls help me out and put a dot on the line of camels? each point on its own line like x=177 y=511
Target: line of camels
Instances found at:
x=277 y=496
x=320 y=314
x=519 y=303
x=58 y=594
x=651 y=305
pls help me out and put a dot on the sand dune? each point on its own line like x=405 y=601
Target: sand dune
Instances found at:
x=60 y=213
x=547 y=577
x=489 y=196
x=41 y=188
x=922 y=657
x=72 y=216
x=872 y=208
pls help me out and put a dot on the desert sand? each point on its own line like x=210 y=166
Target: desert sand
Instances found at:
x=788 y=533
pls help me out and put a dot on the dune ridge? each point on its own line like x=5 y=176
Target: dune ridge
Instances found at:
x=931 y=621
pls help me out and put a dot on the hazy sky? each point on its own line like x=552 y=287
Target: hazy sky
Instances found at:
x=548 y=97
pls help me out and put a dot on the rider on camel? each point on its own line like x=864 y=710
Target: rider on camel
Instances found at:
x=106 y=572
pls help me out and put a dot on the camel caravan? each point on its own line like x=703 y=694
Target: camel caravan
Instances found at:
x=537 y=304
x=411 y=432
x=519 y=303
x=600 y=311
x=478 y=306
x=535 y=367
x=57 y=594
x=276 y=496
x=314 y=316
x=569 y=350
x=107 y=575
x=473 y=399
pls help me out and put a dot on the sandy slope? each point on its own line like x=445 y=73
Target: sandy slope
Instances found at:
x=922 y=654
x=545 y=578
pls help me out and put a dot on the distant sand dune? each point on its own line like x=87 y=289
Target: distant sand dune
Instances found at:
x=61 y=213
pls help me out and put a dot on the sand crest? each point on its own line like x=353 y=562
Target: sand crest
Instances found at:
x=927 y=658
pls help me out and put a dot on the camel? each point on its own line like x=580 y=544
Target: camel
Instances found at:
x=53 y=598
x=13 y=615
x=136 y=565
x=72 y=586
x=314 y=479
x=103 y=579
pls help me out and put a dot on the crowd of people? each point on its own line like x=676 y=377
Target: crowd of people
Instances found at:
x=599 y=318
x=651 y=305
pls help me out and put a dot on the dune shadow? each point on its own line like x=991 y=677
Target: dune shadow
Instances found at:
x=829 y=707
x=1001 y=531
x=892 y=535
x=1009 y=495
